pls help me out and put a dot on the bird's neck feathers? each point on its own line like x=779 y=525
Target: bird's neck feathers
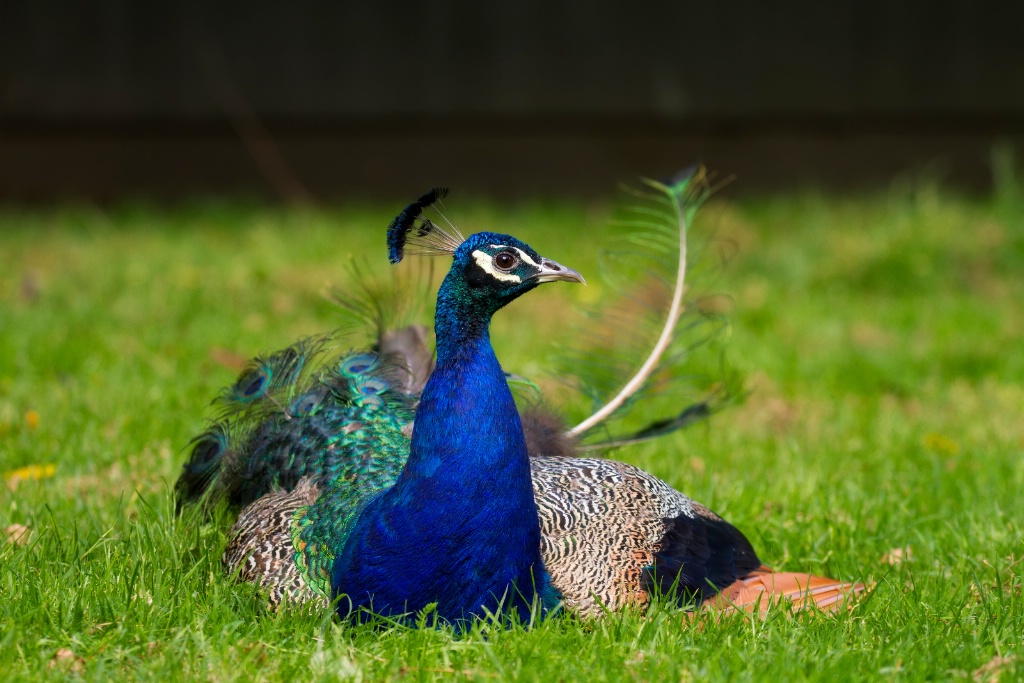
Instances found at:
x=463 y=314
x=468 y=479
x=467 y=425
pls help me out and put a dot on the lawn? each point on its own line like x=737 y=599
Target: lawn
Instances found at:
x=881 y=437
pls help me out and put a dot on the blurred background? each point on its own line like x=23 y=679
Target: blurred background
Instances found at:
x=334 y=100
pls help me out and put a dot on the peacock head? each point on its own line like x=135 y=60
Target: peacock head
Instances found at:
x=498 y=268
x=489 y=270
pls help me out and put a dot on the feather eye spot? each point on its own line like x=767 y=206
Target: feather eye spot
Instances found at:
x=375 y=401
x=372 y=386
x=307 y=402
x=251 y=384
x=207 y=451
x=358 y=364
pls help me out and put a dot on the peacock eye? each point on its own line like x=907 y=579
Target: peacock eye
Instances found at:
x=505 y=260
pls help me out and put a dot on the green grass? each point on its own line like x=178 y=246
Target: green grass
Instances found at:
x=880 y=338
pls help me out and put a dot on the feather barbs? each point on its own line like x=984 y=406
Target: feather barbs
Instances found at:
x=208 y=452
x=422 y=236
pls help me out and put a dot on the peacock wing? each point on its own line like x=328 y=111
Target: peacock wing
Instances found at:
x=614 y=535
x=286 y=540
x=260 y=548
x=302 y=438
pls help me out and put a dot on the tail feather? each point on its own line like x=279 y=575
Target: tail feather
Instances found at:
x=409 y=344
x=203 y=465
x=637 y=343
x=305 y=411
x=759 y=589
x=667 y=216
x=690 y=415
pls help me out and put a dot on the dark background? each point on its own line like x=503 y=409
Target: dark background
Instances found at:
x=102 y=100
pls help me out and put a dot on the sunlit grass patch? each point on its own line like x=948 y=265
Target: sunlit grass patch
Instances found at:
x=881 y=438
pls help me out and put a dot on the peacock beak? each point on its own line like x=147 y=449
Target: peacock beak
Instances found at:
x=551 y=271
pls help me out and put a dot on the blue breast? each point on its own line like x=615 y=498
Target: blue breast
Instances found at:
x=459 y=528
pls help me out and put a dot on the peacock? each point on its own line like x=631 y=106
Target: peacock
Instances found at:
x=383 y=481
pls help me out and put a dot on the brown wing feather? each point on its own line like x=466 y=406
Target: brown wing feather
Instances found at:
x=601 y=523
x=260 y=550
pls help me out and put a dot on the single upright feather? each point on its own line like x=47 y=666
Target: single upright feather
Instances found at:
x=640 y=340
x=674 y=196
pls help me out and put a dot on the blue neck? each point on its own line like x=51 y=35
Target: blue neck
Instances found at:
x=459 y=527
x=467 y=426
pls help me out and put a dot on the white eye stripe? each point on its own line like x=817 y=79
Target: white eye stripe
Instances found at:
x=484 y=260
x=526 y=257
x=522 y=254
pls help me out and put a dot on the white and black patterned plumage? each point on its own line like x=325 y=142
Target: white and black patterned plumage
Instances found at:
x=613 y=536
x=260 y=550
x=611 y=532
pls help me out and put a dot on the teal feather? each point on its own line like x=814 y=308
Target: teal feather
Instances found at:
x=304 y=411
